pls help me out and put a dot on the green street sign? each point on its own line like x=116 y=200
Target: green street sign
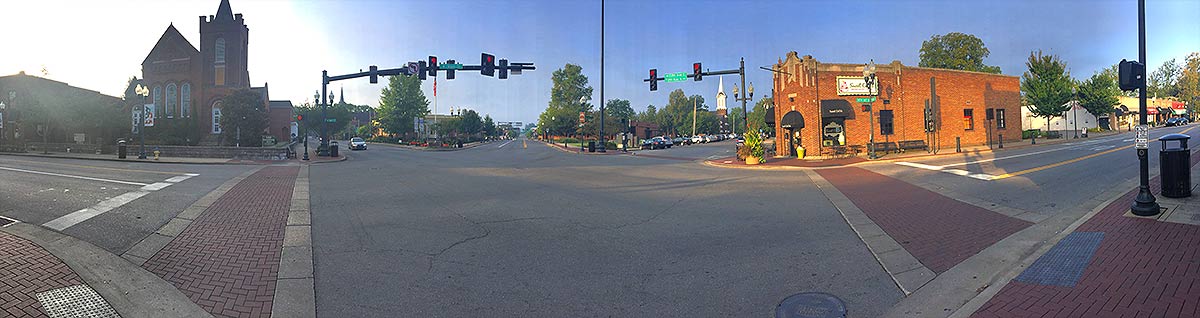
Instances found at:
x=331 y=120
x=676 y=77
x=448 y=66
x=865 y=99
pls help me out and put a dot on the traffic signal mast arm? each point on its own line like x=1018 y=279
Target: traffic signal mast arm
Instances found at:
x=702 y=74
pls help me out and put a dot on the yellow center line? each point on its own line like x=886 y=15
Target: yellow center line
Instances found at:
x=1070 y=161
x=103 y=168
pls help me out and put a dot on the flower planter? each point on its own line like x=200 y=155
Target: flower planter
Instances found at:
x=752 y=160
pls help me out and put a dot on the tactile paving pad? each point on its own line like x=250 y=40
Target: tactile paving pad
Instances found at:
x=75 y=301
x=1064 y=264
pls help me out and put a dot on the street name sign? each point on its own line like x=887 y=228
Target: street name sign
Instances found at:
x=331 y=120
x=676 y=77
x=865 y=99
x=1142 y=141
x=448 y=66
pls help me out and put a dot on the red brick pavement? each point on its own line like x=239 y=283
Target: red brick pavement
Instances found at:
x=939 y=231
x=227 y=260
x=1143 y=268
x=25 y=270
x=792 y=162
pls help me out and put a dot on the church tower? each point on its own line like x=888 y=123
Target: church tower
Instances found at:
x=224 y=39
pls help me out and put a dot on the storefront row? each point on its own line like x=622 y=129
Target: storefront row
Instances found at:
x=823 y=108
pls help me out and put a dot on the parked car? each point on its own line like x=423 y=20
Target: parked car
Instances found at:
x=678 y=141
x=697 y=139
x=666 y=142
x=1176 y=121
x=357 y=143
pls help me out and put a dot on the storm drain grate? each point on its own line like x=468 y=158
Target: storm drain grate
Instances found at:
x=1064 y=264
x=5 y=222
x=75 y=301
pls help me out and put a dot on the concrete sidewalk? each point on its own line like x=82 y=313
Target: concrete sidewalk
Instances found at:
x=1114 y=264
x=130 y=158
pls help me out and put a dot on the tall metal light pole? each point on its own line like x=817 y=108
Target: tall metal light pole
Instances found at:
x=2 y=136
x=1144 y=204
x=870 y=79
x=749 y=94
x=324 y=147
x=601 y=148
x=142 y=91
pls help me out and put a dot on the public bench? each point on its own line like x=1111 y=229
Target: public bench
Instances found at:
x=913 y=144
x=885 y=147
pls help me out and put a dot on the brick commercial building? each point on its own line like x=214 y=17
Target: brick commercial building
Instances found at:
x=817 y=107
x=187 y=84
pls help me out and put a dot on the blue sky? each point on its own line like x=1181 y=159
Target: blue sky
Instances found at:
x=292 y=41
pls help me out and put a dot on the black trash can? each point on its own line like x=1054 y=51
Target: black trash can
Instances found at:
x=333 y=148
x=1175 y=167
x=591 y=146
x=122 y=149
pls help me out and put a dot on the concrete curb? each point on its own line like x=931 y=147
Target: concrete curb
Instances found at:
x=155 y=242
x=230 y=162
x=295 y=289
x=129 y=289
x=317 y=162
x=905 y=270
x=465 y=146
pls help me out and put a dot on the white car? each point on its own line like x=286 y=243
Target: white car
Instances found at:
x=697 y=139
x=357 y=143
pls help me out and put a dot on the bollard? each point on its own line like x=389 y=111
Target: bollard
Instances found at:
x=1000 y=137
x=1033 y=138
x=156 y=153
x=957 y=144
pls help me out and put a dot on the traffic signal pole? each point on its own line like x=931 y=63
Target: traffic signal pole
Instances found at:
x=487 y=67
x=698 y=74
x=1144 y=204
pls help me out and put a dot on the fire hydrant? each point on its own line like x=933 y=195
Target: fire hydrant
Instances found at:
x=156 y=153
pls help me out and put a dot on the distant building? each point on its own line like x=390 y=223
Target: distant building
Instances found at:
x=74 y=113
x=1075 y=119
x=187 y=83
x=644 y=130
x=722 y=113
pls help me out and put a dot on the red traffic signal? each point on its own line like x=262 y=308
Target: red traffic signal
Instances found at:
x=433 y=66
x=696 y=72
x=653 y=80
x=487 y=65
x=299 y=117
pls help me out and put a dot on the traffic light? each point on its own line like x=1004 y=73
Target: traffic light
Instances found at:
x=433 y=66
x=653 y=80
x=1130 y=75
x=421 y=70
x=487 y=65
x=503 y=69
x=696 y=71
x=450 y=73
x=299 y=117
x=374 y=74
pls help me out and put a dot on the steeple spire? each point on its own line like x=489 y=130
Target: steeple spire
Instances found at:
x=224 y=12
x=342 y=96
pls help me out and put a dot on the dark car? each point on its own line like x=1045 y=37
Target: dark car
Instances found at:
x=1176 y=121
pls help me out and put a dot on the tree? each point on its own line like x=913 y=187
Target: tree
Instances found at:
x=400 y=102
x=956 y=51
x=1047 y=85
x=1189 y=82
x=758 y=115
x=1164 y=81
x=243 y=111
x=619 y=110
x=562 y=113
x=649 y=115
x=489 y=126
x=470 y=123
x=1098 y=94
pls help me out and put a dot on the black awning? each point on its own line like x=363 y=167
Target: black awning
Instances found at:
x=792 y=120
x=837 y=108
x=769 y=118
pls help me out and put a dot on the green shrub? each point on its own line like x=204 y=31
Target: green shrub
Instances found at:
x=1031 y=133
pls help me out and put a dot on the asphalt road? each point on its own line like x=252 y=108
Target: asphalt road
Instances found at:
x=521 y=229
x=41 y=190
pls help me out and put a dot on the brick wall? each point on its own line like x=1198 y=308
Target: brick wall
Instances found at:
x=905 y=89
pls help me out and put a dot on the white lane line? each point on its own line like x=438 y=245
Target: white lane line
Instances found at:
x=959 y=172
x=72 y=176
x=506 y=144
x=84 y=214
x=69 y=220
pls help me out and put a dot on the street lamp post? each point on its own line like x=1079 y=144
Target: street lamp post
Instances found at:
x=143 y=91
x=743 y=99
x=870 y=79
x=601 y=136
x=2 y=136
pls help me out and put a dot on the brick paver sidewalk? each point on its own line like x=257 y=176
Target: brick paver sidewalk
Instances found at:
x=26 y=270
x=228 y=259
x=1111 y=266
x=939 y=231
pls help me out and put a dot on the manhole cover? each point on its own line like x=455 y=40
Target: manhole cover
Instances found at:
x=806 y=305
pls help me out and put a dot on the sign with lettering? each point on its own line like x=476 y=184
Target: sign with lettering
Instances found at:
x=855 y=85
x=1142 y=139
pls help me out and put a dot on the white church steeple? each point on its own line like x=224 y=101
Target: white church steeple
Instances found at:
x=721 y=93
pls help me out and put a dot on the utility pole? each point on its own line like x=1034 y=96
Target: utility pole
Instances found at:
x=1144 y=204
x=693 y=117
x=601 y=148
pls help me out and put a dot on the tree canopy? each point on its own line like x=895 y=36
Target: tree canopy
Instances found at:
x=400 y=102
x=956 y=51
x=1047 y=85
x=562 y=113
x=1098 y=94
x=243 y=109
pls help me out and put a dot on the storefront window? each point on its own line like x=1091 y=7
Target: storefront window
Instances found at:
x=999 y=118
x=885 y=122
x=968 y=119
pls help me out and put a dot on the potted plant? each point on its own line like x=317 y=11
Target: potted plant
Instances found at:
x=752 y=150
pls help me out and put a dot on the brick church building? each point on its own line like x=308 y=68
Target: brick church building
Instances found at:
x=187 y=83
